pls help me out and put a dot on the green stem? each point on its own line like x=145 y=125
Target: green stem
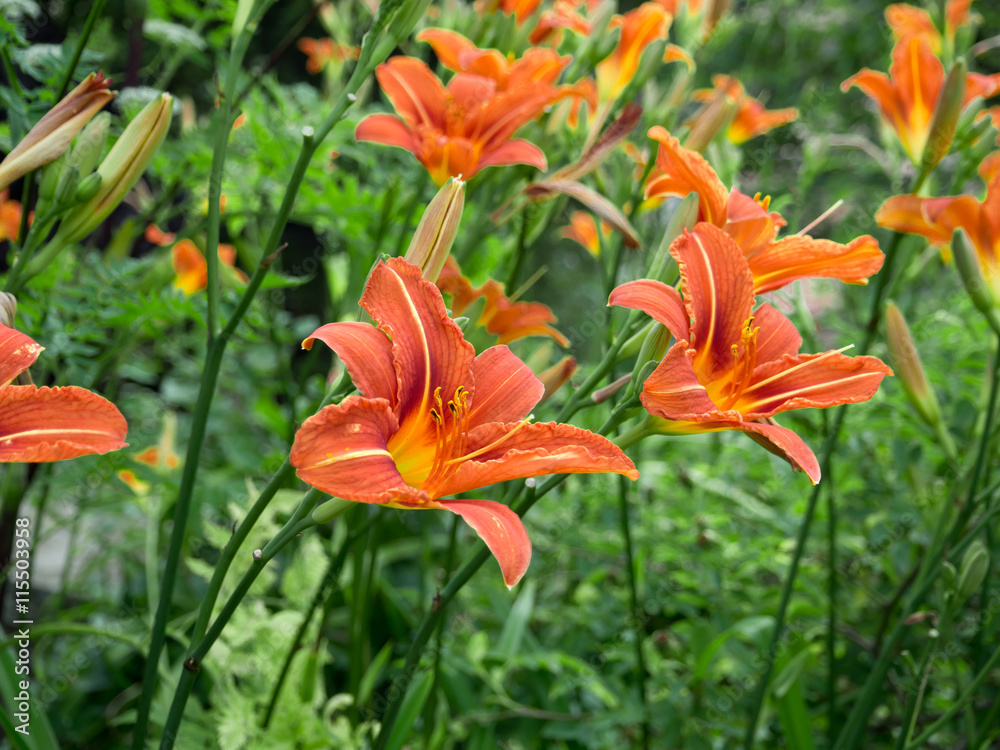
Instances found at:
x=868 y=698
x=519 y=252
x=640 y=662
x=448 y=562
x=430 y=621
x=310 y=142
x=299 y=522
x=88 y=27
x=38 y=231
x=322 y=593
x=829 y=448
x=912 y=710
x=831 y=614
x=956 y=705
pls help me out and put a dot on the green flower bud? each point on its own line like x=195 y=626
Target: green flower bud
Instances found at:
x=89 y=145
x=330 y=510
x=969 y=268
x=684 y=217
x=120 y=170
x=945 y=119
x=906 y=361
x=436 y=231
x=69 y=180
x=972 y=571
x=88 y=187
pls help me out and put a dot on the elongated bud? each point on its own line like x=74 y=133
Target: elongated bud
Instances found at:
x=654 y=346
x=52 y=134
x=557 y=376
x=121 y=169
x=65 y=194
x=50 y=181
x=8 y=309
x=712 y=120
x=634 y=344
x=89 y=145
x=603 y=394
x=906 y=362
x=685 y=217
x=945 y=120
x=970 y=269
x=431 y=243
x=88 y=187
x=975 y=563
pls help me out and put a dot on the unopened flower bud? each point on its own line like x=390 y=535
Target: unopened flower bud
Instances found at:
x=53 y=133
x=69 y=181
x=603 y=394
x=969 y=268
x=906 y=362
x=89 y=145
x=654 y=346
x=945 y=119
x=712 y=120
x=120 y=170
x=684 y=217
x=431 y=243
x=557 y=376
x=975 y=563
x=88 y=187
x=8 y=309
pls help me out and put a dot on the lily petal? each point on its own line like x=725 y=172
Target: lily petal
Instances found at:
x=514 y=151
x=718 y=295
x=810 y=380
x=17 y=353
x=505 y=389
x=777 y=335
x=54 y=424
x=658 y=300
x=680 y=171
x=672 y=390
x=801 y=257
x=415 y=92
x=783 y=442
x=503 y=532
x=428 y=349
x=387 y=129
x=366 y=353
x=519 y=451
x=905 y=213
x=342 y=450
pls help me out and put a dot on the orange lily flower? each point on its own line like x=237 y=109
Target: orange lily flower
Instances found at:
x=562 y=15
x=773 y=262
x=434 y=420
x=907 y=96
x=639 y=28
x=502 y=317
x=733 y=367
x=908 y=21
x=522 y=10
x=10 y=217
x=323 y=52
x=750 y=119
x=38 y=425
x=938 y=218
x=191 y=268
x=156 y=236
x=583 y=230
x=458 y=130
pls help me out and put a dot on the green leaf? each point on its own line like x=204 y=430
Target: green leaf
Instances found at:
x=370 y=678
x=411 y=707
x=516 y=624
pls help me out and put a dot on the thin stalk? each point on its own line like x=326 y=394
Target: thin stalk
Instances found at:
x=448 y=562
x=868 y=698
x=322 y=593
x=640 y=662
x=964 y=698
x=829 y=448
x=299 y=522
x=310 y=142
x=986 y=726
x=519 y=252
x=430 y=621
x=831 y=615
x=912 y=710
x=88 y=27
